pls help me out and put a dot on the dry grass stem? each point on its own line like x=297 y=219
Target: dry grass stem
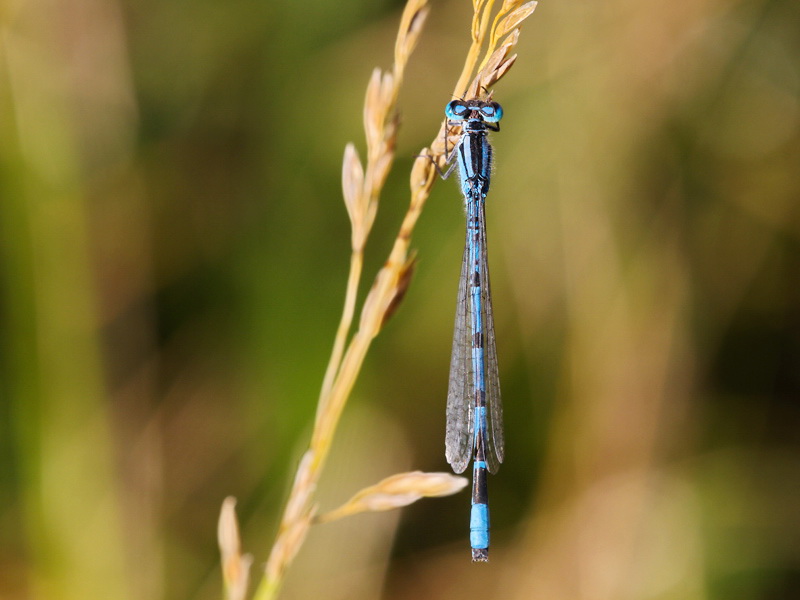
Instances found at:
x=397 y=491
x=361 y=187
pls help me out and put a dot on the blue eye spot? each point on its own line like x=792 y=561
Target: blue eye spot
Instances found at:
x=456 y=110
x=492 y=113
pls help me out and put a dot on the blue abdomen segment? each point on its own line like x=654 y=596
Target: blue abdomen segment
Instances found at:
x=479 y=526
x=479 y=514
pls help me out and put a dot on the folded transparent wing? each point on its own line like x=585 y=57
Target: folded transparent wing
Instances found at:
x=495 y=443
x=460 y=423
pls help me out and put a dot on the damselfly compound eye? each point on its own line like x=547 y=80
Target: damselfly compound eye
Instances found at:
x=492 y=112
x=456 y=110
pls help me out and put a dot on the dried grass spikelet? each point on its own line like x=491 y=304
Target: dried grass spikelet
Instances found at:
x=235 y=566
x=286 y=547
x=381 y=123
x=403 y=281
x=361 y=184
x=305 y=486
x=397 y=491
x=502 y=41
x=352 y=184
x=510 y=18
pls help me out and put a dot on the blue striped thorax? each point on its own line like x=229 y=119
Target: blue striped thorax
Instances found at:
x=473 y=152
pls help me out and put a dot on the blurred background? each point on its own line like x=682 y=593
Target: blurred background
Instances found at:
x=174 y=249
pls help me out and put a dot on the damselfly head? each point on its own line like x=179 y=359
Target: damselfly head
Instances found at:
x=460 y=110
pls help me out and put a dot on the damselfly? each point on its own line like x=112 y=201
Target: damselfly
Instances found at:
x=474 y=408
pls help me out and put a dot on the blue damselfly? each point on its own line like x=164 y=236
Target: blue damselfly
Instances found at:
x=474 y=409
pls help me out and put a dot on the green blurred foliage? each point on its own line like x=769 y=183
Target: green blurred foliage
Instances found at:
x=174 y=252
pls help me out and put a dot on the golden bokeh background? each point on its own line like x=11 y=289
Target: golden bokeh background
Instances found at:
x=174 y=249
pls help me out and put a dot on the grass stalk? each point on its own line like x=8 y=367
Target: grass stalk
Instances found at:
x=361 y=187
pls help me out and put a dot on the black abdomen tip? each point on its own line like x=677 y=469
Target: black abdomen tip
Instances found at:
x=480 y=555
